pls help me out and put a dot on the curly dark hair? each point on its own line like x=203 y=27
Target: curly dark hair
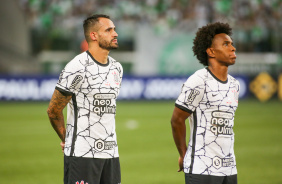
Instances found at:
x=204 y=38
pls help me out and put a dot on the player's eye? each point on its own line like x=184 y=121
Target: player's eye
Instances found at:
x=109 y=29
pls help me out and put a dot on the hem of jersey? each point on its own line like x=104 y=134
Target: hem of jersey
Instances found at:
x=91 y=157
x=63 y=91
x=223 y=82
x=183 y=108
x=185 y=170
x=97 y=62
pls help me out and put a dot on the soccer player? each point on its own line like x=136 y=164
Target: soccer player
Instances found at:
x=89 y=85
x=209 y=98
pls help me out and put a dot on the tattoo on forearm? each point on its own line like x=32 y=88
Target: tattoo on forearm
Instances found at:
x=55 y=112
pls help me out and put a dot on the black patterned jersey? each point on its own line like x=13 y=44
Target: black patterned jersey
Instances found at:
x=90 y=127
x=212 y=104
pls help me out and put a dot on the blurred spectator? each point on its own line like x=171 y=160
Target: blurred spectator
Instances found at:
x=257 y=23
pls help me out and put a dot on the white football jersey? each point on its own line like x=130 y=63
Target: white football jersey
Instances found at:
x=212 y=104
x=90 y=129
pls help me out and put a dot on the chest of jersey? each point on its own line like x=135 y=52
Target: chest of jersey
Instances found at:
x=101 y=79
x=100 y=89
x=222 y=96
x=219 y=104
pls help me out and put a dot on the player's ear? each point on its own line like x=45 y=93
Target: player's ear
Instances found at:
x=93 y=35
x=210 y=52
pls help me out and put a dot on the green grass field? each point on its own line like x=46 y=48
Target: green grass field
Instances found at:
x=30 y=151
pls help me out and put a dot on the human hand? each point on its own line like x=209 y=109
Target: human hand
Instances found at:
x=180 y=163
x=62 y=144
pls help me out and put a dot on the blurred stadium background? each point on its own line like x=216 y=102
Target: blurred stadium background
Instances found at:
x=38 y=37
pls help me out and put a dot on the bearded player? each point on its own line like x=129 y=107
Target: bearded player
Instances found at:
x=89 y=86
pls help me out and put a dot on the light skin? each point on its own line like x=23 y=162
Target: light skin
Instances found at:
x=103 y=38
x=103 y=35
x=55 y=114
x=221 y=54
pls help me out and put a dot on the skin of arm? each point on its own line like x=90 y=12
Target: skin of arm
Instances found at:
x=55 y=114
x=179 y=133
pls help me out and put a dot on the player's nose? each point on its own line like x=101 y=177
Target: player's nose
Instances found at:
x=115 y=34
x=233 y=48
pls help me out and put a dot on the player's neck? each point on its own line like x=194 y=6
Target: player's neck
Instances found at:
x=100 y=55
x=219 y=71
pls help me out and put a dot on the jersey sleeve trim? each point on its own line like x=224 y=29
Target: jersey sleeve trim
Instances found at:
x=64 y=92
x=183 y=108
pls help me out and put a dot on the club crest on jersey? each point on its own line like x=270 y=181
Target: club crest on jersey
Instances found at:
x=116 y=77
x=113 y=79
x=236 y=95
x=191 y=97
x=75 y=81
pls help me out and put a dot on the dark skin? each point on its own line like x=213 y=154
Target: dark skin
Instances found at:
x=179 y=133
x=221 y=54
x=55 y=112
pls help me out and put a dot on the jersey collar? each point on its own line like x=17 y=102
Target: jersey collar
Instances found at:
x=223 y=82
x=97 y=62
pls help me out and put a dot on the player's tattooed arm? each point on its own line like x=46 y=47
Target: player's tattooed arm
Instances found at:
x=55 y=112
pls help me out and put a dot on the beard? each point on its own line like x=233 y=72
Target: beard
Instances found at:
x=108 y=45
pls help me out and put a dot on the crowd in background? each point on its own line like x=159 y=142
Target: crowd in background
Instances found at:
x=256 y=23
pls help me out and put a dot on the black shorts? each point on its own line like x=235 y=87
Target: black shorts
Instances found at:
x=79 y=170
x=208 y=179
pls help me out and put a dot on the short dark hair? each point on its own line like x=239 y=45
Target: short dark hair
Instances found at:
x=204 y=38
x=91 y=22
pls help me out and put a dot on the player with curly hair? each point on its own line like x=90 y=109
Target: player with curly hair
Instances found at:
x=209 y=99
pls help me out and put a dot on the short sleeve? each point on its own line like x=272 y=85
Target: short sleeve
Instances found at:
x=238 y=86
x=121 y=73
x=71 y=77
x=238 y=89
x=191 y=94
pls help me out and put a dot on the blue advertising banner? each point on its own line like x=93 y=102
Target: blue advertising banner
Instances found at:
x=40 y=88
